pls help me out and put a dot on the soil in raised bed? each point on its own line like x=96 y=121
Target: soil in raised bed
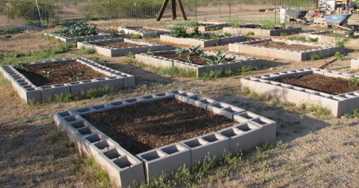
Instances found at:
x=119 y=44
x=145 y=126
x=196 y=57
x=283 y=45
x=62 y=73
x=321 y=83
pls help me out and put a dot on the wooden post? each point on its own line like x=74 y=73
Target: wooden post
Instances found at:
x=174 y=14
x=179 y=3
x=163 y=7
x=174 y=11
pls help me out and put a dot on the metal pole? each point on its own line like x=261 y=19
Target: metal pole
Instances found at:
x=195 y=9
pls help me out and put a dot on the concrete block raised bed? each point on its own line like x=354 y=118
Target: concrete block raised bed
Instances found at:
x=202 y=42
x=337 y=104
x=81 y=38
x=249 y=47
x=157 y=61
x=354 y=64
x=113 y=52
x=145 y=32
x=211 y=26
x=30 y=92
x=125 y=168
x=244 y=30
x=328 y=37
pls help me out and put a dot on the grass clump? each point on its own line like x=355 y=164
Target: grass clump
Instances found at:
x=89 y=94
x=98 y=60
x=353 y=81
x=136 y=36
x=339 y=55
x=314 y=57
x=299 y=38
x=87 y=50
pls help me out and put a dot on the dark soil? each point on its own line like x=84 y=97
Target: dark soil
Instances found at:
x=61 y=73
x=321 y=83
x=196 y=57
x=283 y=45
x=118 y=44
x=145 y=126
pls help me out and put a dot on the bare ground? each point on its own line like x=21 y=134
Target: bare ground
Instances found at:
x=313 y=151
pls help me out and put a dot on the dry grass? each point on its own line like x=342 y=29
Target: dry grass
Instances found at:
x=315 y=151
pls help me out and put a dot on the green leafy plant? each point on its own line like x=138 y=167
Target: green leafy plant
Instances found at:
x=250 y=33
x=47 y=73
x=78 y=29
x=180 y=51
x=219 y=57
x=314 y=57
x=313 y=39
x=136 y=36
x=353 y=81
x=340 y=39
x=99 y=60
x=190 y=59
x=151 y=52
x=339 y=55
x=76 y=76
x=22 y=65
x=246 y=68
x=194 y=49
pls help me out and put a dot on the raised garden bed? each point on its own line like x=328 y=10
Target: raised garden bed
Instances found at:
x=44 y=80
x=80 y=38
x=120 y=46
x=203 y=42
x=254 y=29
x=199 y=66
x=285 y=49
x=332 y=38
x=181 y=128
x=145 y=32
x=316 y=86
x=211 y=26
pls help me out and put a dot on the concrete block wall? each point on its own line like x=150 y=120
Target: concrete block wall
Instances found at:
x=337 y=104
x=202 y=42
x=81 y=38
x=263 y=32
x=114 y=52
x=248 y=48
x=144 y=34
x=32 y=93
x=211 y=26
x=157 y=61
x=326 y=38
x=124 y=168
x=354 y=63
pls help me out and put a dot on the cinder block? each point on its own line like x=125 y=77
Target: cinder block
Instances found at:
x=211 y=146
x=165 y=160
x=243 y=137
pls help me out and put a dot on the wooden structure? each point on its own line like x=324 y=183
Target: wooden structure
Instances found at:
x=174 y=15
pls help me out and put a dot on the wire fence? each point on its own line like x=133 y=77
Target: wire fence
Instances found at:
x=52 y=12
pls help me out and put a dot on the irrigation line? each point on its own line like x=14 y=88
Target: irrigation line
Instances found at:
x=26 y=121
x=46 y=117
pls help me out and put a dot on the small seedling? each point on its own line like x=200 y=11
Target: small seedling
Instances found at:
x=22 y=65
x=151 y=52
x=353 y=81
x=77 y=76
x=47 y=73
